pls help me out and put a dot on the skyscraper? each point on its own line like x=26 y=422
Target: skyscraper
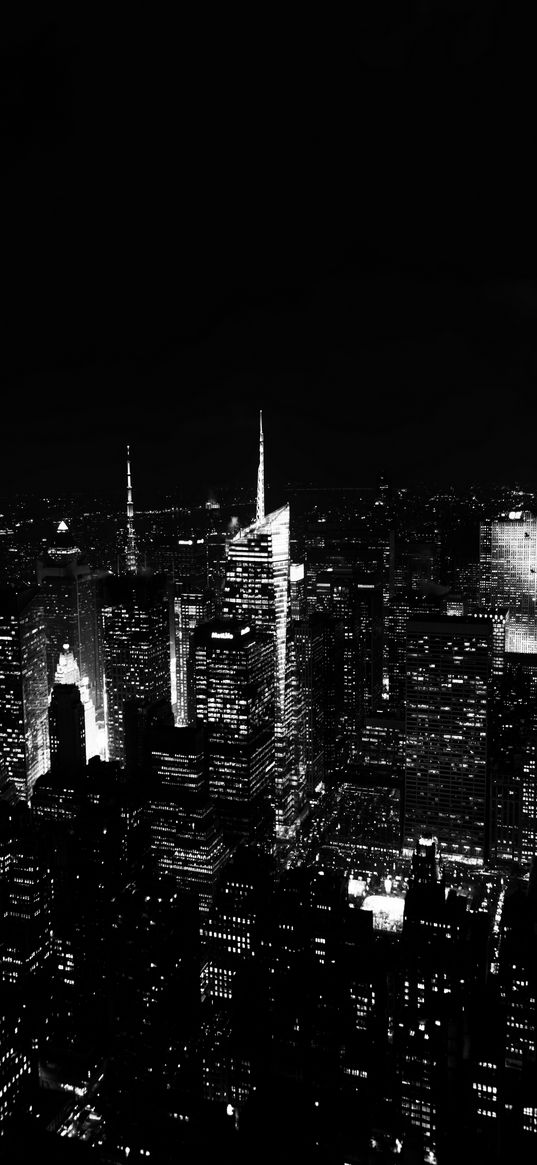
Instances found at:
x=186 y=837
x=234 y=682
x=508 y=574
x=260 y=500
x=356 y=608
x=256 y=591
x=131 y=539
x=136 y=637
x=449 y=665
x=24 y=731
x=70 y=594
x=193 y=604
x=313 y=676
x=68 y=673
x=67 y=735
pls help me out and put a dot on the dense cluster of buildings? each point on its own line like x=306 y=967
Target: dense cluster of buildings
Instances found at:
x=268 y=818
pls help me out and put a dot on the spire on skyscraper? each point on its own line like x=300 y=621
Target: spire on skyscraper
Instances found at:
x=260 y=507
x=131 y=541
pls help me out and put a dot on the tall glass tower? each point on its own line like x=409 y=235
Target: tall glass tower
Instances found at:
x=256 y=591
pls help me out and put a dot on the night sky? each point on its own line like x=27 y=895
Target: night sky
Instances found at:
x=333 y=223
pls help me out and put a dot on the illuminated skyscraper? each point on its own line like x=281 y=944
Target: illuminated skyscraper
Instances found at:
x=24 y=731
x=260 y=502
x=67 y=736
x=449 y=665
x=193 y=604
x=136 y=637
x=68 y=673
x=234 y=683
x=131 y=539
x=70 y=594
x=508 y=561
x=186 y=837
x=256 y=591
x=508 y=575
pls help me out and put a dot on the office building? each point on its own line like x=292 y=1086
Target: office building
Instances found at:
x=69 y=589
x=16 y=1068
x=234 y=683
x=256 y=592
x=193 y=604
x=186 y=837
x=136 y=641
x=24 y=730
x=508 y=575
x=449 y=668
x=66 y=723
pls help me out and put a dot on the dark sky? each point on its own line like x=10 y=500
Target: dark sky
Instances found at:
x=334 y=223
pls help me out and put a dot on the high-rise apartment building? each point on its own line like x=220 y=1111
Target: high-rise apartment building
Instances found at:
x=449 y=667
x=136 y=640
x=24 y=730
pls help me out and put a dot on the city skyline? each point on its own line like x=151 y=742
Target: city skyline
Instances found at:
x=268 y=587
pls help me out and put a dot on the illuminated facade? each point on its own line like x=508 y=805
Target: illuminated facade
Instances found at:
x=131 y=557
x=442 y=957
x=70 y=595
x=521 y=635
x=186 y=837
x=16 y=1072
x=231 y=933
x=311 y=638
x=508 y=575
x=235 y=700
x=68 y=672
x=508 y=562
x=26 y=932
x=256 y=591
x=136 y=638
x=24 y=729
x=449 y=664
x=193 y=605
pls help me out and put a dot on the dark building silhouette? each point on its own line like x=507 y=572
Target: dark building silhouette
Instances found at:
x=67 y=733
